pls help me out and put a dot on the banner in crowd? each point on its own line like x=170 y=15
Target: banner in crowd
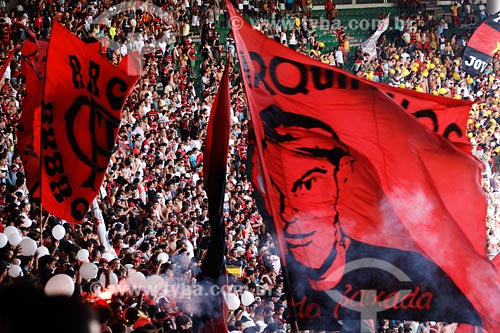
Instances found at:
x=482 y=46
x=81 y=113
x=34 y=56
x=214 y=316
x=374 y=214
x=370 y=45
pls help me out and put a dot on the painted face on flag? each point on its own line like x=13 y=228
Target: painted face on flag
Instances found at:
x=320 y=166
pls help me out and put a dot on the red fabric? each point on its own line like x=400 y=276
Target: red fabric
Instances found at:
x=33 y=68
x=445 y=116
x=396 y=184
x=464 y=328
x=216 y=143
x=79 y=130
x=496 y=262
x=485 y=39
x=131 y=63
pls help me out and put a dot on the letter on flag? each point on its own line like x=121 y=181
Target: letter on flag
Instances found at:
x=482 y=46
x=444 y=116
x=374 y=214
x=82 y=102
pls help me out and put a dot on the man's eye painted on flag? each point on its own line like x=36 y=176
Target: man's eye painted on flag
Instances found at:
x=320 y=166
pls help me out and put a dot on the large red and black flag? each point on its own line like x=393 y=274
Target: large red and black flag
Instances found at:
x=83 y=96
x=482 y=46
x=374 y=214
x=213 y=317
x=215 y=167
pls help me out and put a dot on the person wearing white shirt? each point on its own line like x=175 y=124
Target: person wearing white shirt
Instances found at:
x=293 y=41
x=339 y=57
x=7 y=73
x=283 y=38
x=146 y=108
x=482 y=12
x=138 y=43
x=404 y=56
x=124 y=49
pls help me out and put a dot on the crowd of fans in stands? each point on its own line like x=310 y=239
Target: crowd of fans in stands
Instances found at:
x=152 y=198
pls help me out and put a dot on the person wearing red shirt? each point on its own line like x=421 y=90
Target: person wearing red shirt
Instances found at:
x=328 y=8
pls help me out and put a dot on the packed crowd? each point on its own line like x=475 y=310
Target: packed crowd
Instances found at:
x=153 y=203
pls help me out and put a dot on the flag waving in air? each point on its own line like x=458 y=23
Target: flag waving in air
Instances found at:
x=482 y=46
x=370 y=45
x=79 y=130
x=214 y=173
x=374 y=214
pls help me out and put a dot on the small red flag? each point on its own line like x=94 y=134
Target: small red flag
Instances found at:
x=79 y=130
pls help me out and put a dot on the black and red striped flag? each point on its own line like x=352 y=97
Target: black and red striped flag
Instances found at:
x=213 y=317
x=482 y=46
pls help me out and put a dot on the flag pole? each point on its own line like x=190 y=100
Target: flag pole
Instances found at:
x=43 y=225
x=101 y=227
x=41 y=140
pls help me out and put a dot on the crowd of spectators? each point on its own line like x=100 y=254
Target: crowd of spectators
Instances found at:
x=153 y=201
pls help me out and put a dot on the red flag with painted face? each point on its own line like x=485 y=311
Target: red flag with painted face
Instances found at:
x=79 y=130
x=375 y=215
